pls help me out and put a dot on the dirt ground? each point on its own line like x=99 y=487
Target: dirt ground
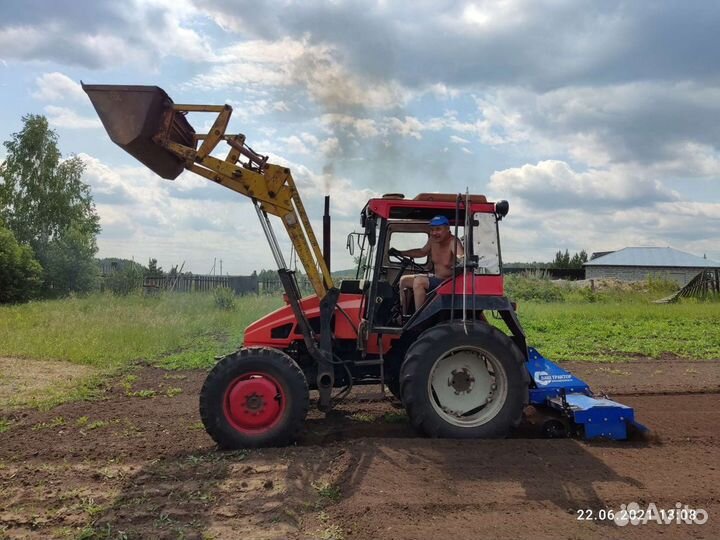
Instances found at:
x=139 y=465
x=19 y=381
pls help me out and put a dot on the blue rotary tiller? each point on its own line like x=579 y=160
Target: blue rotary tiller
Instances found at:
x=570 y=407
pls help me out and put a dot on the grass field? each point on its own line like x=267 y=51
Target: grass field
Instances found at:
x=107 y=334
x=188 y=331
x=105 y=331
x=600 y=331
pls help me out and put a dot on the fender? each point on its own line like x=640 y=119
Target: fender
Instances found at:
x=442 y=303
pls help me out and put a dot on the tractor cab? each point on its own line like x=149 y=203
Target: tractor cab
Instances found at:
x=394 y=224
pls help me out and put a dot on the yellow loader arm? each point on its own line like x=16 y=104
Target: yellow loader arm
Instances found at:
x=146 y=123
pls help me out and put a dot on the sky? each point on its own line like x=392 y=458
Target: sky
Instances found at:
x=598 y=121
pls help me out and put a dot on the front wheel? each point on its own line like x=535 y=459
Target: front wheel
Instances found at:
x=254 y=397
x=464 y=385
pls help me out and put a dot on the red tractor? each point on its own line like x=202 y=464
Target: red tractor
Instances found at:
x=456 y=374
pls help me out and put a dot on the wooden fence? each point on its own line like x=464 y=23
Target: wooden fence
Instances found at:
x=195 y=283
x=275 y=286
x=703 y=285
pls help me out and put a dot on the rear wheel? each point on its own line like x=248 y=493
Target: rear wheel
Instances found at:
x=254 y=397
x=460 y=385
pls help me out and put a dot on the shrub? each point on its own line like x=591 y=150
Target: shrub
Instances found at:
x=68 y=263
x=662 y=285
x=20 y=273
x=531 y=287
x=224 y=298
x=126 y=280
x=588 y=295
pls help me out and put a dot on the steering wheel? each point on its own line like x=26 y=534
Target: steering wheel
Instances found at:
x=405 y=263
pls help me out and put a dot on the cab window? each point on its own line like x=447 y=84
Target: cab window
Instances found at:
x=409 y=240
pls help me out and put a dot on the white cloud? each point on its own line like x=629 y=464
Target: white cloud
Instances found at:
x=687 y=158
x=497 y=125
x=106 y=184
x=102 y=36
x=458 y=140
x=555 y=207
x=488 y=15
x=307 y=143
x=175 y=37
x=555 y=183
x=295 y=145
x=57 y=86
x=329 y=147
x=190 y=219
x=536 y=233
x=54 y=42
x=648 y=123
x=443 y=91
x=653 y=129
x=14 y=38
x=248 y=109
x=408 y=127
x=68 y=118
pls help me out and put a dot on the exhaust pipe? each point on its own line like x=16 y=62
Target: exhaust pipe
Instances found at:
x=326 y=232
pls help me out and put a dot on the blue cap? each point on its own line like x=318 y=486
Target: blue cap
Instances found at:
x=439 y=221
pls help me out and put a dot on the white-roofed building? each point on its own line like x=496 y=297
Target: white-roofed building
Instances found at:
x=639 y=263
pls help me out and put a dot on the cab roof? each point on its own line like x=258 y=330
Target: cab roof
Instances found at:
x=427 y=205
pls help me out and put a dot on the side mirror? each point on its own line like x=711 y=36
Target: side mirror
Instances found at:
x=501 y=209
x=350 y=244
x=370 y=226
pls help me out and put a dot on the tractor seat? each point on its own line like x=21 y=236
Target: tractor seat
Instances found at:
x=409 y=298
x=353 y=286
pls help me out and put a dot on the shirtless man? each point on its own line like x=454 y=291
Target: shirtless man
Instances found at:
x=444 y=250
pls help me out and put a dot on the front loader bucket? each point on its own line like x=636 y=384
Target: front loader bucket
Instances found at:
x=133 y=115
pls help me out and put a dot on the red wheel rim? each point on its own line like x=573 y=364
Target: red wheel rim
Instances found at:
x=254 y=403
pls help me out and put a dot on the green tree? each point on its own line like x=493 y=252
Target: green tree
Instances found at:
x=20 y=273
x=44 y=201
x=578 y=259
x=68 y=263
x=153 y=269
x=269 y=281
x=564 y=260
